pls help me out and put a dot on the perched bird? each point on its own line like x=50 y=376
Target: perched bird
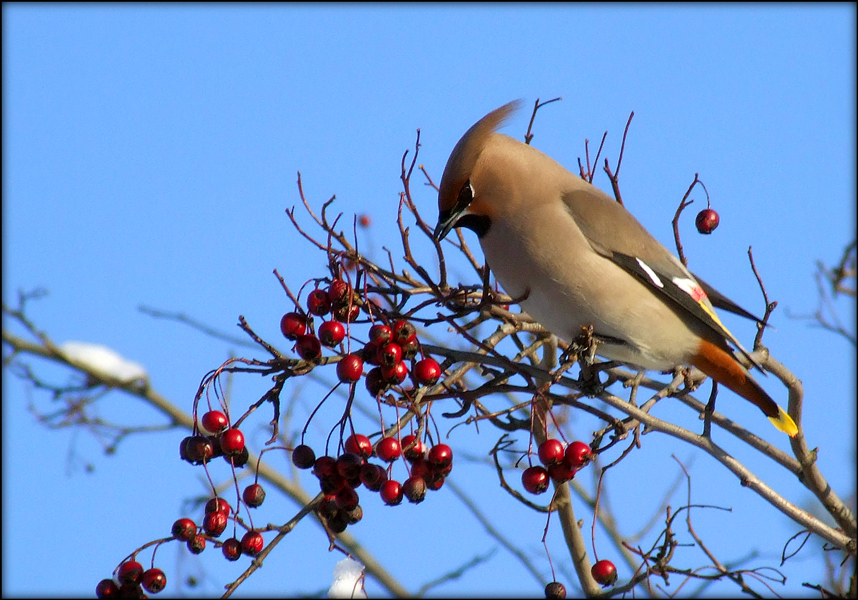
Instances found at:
x=578 y=258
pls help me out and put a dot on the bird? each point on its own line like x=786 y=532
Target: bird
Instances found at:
x=576 y=258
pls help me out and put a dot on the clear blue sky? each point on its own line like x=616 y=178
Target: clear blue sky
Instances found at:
x=149 y=153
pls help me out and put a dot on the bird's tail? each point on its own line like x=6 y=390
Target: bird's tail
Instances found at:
x=723 y=367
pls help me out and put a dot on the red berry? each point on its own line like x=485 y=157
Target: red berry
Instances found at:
x=339 y=293
x=561 y=472
x=331 y=333
x=604 y=572
x=388 y=449
x=359 y=444
x=333 y=483
x=232 y=442
x=252 y=543
x=535 y=479
x=253 y=495
x=347 y=313
x=550 y=452
x=394 y=375
x=555 y=591
x=349 y=369
x=427 y=371
x=292 y=325
x=440 y=456
x=364 y=221
x=231 y=549
x=403 y=332
x=416 y=451
x=707 y=220
x=308 y=347
x=389 y=354
x=215 y=523
x=107 y=588
x=420 y=467
x=130 y=572
x=372 y=476
x=380 y=333
x=414 y=488
x=197 y=544
x=154 y=580
x=318 y=303
x=184 y=529
x=410 y=349
x=303 y=456
x=214 y=421
x=577 y=455
x=391 y=492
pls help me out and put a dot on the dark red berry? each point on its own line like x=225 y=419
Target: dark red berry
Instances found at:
x=349 y=369
x=338 y=522
x=414 y=452
x=333 y=483
x=707 y=220
x=215 y=523
x=550 y=452
x=380 y=334
x=375 y=383
x=325 y=466
x=535 y=479
x=232 y=442
x=218 y=504
x=358 y=444
x=129 y=572
x=372 y=476
x=184 y=529
x=414 y=488
x=303 y=457
x=370 y=352
x=420 y=467
x=231 y=549
x=354 y=515
x=339 y=293
x=555 y=591
x=292 y=325
x=154 y=580
x=403 y=332
x=346 y=498
x=318 y=303
x=577 y=455
x=410 y=349
x=253 y=495
x=347 y=313
x=331 y=333
x=240 y=459
x=328 y=506
x=388 y=449
x=197 y=544
x=440 y=456
x=391 y=492
x=308 y=347
x=427 y=371
x=107 y=588
x=252 y=543
x=348 y=465
x=604 y=572
x=561 y=472
x=196 y=449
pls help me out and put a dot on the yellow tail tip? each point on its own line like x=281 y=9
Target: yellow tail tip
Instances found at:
x=785 y=423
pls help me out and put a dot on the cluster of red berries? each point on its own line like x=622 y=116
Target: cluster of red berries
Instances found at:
x=132 y=582
x=339 y=478
x=388 y=348
x=223 y=441
x=560 y=464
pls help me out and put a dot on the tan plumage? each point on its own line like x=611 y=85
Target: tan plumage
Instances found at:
x=579 y=258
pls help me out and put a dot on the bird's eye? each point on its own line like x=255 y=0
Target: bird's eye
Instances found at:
x=466 y=196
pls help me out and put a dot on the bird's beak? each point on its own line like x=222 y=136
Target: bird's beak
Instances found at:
x=446 y=221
